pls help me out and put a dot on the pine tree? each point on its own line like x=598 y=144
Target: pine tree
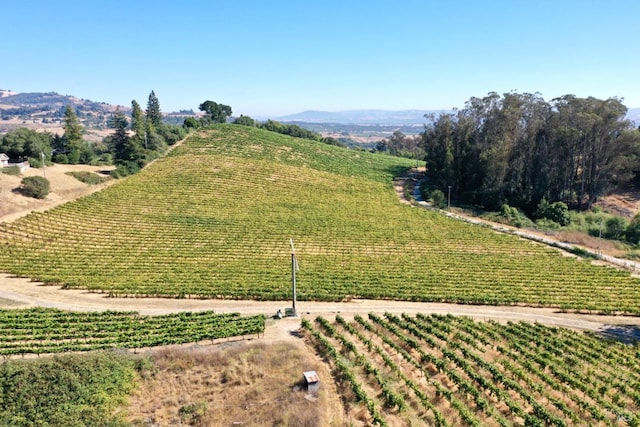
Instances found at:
x=72 y=134
x=138 y=124
x=154 y=116
x=119 y=139
x=137 y=119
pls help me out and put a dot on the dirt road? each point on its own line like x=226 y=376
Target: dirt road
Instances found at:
x=16 y=292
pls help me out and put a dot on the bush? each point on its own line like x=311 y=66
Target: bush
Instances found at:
x=11 y=170
x=244 y=121
x=514 y=216
x=60 y=158
x=35 y=186
x=87 y=177
x=616 y=227
x=632 y=232
x=191 y=123
x=557 y=212
x=547 y=224
x=438 y=200
x=125 y=169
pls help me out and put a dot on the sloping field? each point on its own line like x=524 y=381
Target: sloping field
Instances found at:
x=214 y=219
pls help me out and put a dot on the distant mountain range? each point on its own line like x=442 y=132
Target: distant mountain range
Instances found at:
x=34 y=102
x=385 y=117
x=362 y=117
x=50 y=105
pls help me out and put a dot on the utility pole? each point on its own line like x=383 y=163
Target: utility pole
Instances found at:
x=449 y=198
x=294 y=267
x=44 y=166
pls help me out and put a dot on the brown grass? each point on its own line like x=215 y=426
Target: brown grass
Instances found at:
x=249 y=385
x=608 y=247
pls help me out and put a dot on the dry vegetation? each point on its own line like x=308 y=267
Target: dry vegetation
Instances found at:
x=251 y=385
x=64 y=188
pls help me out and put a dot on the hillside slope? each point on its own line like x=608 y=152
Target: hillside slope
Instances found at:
x=214 y=218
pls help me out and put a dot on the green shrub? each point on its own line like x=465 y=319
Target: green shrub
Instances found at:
x=557 y=212
x=547 y=224
x=65 y=390
x=125 y=169
x=514 y=216
x=61 y=159
x=11 y=170
x=87 y=177
x=632 y=233
x=35 y=186
x=616 y=227
x=438 y=200
x=35 y=162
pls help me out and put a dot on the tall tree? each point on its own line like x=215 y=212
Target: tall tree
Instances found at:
x=138 y=124
x=519 y=149
x=137 y=118
x=23 y=142
x=154 y=116
x=216 y=113
x=120 y=138
x=72 y=137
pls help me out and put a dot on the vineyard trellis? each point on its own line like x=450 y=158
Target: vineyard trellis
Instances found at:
x=450 y=370
x=46 y=330
x=214 y=218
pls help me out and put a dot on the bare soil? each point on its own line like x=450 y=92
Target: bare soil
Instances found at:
x=625 y=203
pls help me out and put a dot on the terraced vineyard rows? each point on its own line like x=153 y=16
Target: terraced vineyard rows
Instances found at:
x=43 y=330
x=448 y=370
x=214 y=219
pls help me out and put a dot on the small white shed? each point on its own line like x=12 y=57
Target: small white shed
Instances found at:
x=4 y=160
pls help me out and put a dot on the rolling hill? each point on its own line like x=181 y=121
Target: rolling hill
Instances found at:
x=213 y=219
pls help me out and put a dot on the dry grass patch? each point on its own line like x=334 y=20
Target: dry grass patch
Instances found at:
x=249 y=385
x=609 y=247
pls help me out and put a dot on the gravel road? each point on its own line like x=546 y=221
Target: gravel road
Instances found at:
x=18 y=292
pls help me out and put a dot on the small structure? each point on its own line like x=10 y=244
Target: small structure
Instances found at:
x=5 y=162
x=313 y=381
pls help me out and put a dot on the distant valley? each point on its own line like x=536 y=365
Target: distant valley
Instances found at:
x=44 y=111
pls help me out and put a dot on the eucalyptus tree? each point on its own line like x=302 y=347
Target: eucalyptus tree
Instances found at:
x=519 y=149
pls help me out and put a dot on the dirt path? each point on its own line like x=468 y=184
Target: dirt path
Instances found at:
x=16 y=292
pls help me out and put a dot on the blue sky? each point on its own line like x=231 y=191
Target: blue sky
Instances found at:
x=280 y=57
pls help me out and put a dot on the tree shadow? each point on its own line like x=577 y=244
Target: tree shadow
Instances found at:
x=627 y=334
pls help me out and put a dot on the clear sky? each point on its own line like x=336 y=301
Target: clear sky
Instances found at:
x=270 y=58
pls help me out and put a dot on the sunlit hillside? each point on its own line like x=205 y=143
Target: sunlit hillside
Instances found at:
x=214 y=219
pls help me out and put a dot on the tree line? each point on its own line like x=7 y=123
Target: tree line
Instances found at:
x=133 y=143
x=521 y=150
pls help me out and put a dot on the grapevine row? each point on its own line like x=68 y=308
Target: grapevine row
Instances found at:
x=38 y=331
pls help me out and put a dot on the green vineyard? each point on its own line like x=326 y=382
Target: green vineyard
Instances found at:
x=450 y=371
x=213 y=219
x=44 y=330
